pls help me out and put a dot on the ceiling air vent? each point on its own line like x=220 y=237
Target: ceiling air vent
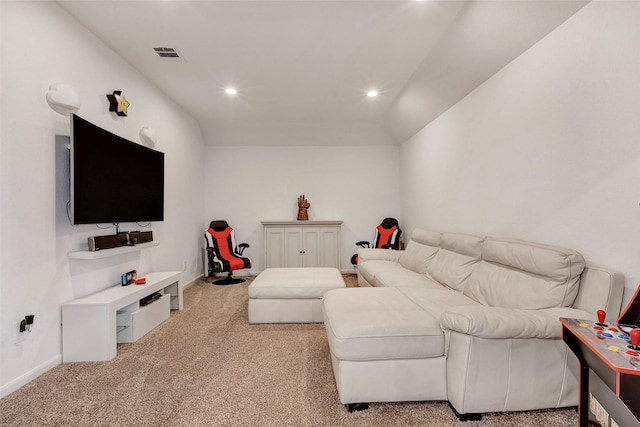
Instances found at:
x=166 y=52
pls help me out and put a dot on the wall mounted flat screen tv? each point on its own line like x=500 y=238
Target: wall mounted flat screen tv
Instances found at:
x=113 y=180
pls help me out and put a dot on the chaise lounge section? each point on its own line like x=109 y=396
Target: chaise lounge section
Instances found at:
x=468 y=319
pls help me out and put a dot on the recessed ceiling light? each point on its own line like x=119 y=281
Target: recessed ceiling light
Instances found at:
x=372 y=93
x=230 y=91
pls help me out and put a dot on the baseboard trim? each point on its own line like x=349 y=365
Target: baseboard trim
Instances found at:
x=247 y=273
x=256 y=272
x=29 y=376
x=191 y=283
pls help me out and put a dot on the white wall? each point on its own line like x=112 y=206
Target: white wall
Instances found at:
x=42 y=45
x=246 y=185
x=546 y=150
x=292 y=133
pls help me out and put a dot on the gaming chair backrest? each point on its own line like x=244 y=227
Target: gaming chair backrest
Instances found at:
x=387 y=233
x=222 y=239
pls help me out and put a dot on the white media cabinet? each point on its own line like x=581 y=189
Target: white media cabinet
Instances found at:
x=92 y=326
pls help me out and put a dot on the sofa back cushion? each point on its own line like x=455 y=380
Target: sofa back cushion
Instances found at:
x=524 y=275
x=455 y=260
x=420 y=250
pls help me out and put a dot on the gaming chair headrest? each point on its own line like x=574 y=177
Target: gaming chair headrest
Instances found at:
x=219 y=225
x=389 y=223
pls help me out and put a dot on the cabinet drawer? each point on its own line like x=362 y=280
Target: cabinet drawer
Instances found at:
x=134 y=325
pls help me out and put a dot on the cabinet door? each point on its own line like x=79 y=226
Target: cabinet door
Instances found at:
x=293 y=247
x=330 y=249
x=302 y=246
x=312 y=247
x=274 y=247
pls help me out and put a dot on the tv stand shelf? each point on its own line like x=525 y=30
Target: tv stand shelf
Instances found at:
x=103 y=253
x=93 y=325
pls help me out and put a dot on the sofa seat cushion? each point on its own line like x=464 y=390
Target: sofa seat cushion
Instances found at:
x=405 y=279
x=379 y=324
x=371 y=268
x=438 y=301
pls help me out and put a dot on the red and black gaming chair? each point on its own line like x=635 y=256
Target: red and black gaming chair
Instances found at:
x=387 y=237
x=222 y=252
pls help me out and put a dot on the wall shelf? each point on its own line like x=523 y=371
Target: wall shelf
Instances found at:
x=103 y=253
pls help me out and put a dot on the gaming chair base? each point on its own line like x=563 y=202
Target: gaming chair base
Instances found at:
x=229 y=280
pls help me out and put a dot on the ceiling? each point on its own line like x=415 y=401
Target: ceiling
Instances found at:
x=309 y=64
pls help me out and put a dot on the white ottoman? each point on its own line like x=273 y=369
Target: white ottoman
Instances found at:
x=291 y=295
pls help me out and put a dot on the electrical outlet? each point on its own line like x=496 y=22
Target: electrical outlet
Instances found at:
x=19 y=336
x=184 y=265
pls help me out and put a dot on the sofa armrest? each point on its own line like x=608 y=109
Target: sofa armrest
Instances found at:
x=600 y=289
x=365 y=254
x=508 y=323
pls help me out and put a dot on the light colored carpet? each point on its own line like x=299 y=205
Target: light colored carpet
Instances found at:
x=206 y=366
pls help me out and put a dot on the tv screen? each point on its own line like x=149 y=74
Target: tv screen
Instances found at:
x=113 y=179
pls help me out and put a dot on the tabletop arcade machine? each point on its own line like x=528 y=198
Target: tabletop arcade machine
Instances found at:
x=609 y=375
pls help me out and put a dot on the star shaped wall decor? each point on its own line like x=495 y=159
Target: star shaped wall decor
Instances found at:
x=118 y=103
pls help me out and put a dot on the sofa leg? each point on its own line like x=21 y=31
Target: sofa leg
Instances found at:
x=471 y=416
x=355 y=407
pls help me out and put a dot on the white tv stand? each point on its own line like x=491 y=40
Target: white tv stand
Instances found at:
x=92 y=326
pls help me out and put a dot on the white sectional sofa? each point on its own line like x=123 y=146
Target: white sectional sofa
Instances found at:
x=467 y=319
